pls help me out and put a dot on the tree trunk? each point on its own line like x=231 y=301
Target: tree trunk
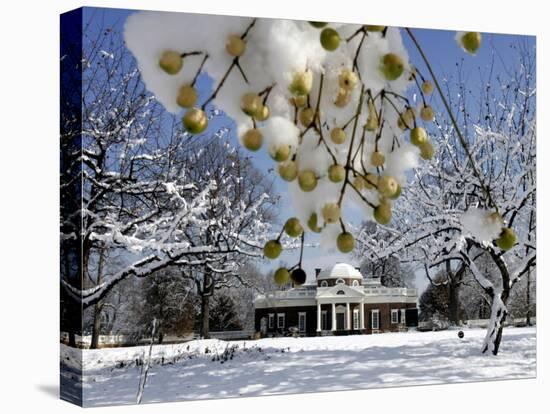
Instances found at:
x=205 y=315
x=143 y=377
x=454 y=281
x=454 y=304
x=496 y=324
x=72 y=340
x=528 y=313
x=207 y=291
x=498 y=308
x=96 y=329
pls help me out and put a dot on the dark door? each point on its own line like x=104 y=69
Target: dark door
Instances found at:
x=340 y=321
x=411 y=317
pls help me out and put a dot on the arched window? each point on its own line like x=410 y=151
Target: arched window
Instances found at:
x=324 y=283
x=355 y=283
x=340 y=281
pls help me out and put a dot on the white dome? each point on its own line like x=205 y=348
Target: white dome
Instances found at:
x=338 y=270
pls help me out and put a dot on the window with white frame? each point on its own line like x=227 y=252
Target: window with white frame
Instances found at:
x=394 y=316
x=403 y=316
x=355 y=283
x=302 y=321
x=271 y=321
x=356 y=319
x=340 y=281
x=280 y=320
x=375 y=319
x=324 y=283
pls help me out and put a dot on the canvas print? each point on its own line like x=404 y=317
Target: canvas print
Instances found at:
x=255 y=206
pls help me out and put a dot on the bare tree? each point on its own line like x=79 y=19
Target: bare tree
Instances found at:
x=493 y=171
x=133 y=166
x=244 y=189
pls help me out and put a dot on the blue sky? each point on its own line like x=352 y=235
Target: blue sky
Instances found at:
x=444 y=55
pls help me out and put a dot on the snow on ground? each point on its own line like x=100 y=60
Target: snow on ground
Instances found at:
x=294 y=365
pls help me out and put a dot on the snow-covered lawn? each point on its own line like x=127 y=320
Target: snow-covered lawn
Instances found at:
x=291 y=365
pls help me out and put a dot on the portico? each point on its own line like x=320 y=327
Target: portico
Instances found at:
x=341 y=300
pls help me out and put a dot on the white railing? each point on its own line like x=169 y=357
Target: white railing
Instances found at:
x=311 y=293
x=283 y=294
x=389 y=291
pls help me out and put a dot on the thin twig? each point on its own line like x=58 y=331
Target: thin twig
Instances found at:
x=453 y=120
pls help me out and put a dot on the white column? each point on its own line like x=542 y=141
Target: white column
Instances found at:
x=333 y=326
x=348 y=317
x=318 y=317
x=362 y=315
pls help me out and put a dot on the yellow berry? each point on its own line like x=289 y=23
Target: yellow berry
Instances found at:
x=288 y=170
x=171 y=62
x=306 y=116
x=312 y=223
x=272 y=249
x=387 y=186
x=427 y=113
x=418 y=136
x=280 y=152
x=318 y=25
x=336 y=173
x=392 y=66
x=330 y=39
x=507 y=239
x=187 y=96
x=307 y=180
x=348 y=79
x=426 y=150
x=345 y=242
x=471 y=42
x=299 y=101
x=293 y=227
x=252 y=139
x=377 y=159
x=262 y=114
x=343 y=98
x=251 y=104
x=370 y=28
x=301 y=83
x=195 y=121
x=331 y=213
x=382 y=212
x=281 y=276
x=235 y=46
x=397 y=193
x=427 y=87
x=338 y=135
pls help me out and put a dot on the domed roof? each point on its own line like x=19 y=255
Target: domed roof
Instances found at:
x=342 y=270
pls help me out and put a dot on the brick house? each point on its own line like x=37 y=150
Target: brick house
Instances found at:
x=340 y=301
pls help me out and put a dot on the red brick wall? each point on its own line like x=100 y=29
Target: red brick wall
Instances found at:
x=291 y=316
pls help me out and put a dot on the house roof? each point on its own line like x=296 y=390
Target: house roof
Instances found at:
x=340 y=270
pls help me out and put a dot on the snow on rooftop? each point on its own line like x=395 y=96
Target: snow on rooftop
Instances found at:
x=338 y=270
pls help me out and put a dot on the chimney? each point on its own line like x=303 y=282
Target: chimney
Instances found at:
x=317 y=271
